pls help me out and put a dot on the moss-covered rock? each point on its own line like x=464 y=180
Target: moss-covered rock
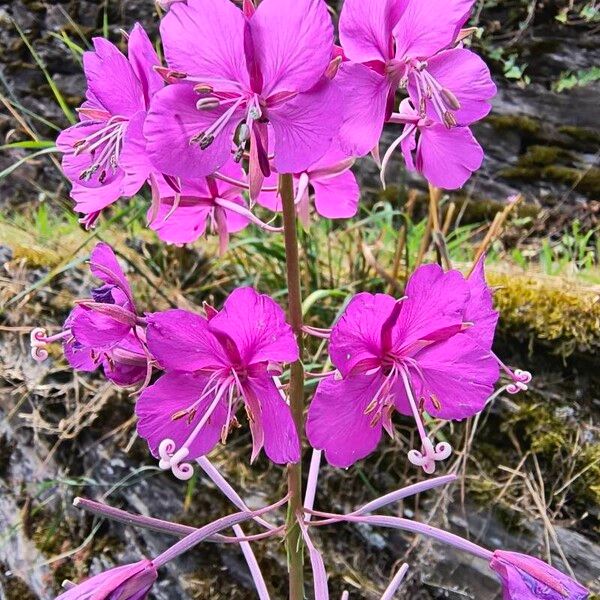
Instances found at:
x=550 y=309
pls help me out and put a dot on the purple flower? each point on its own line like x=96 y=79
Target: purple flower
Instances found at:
x=103 y=330
x=104 y=154
x=336 y=191
x=213 y=366
x=129 y=582
x=258 y=75
x=389 y=353
x=409 y=44
x=528 y=578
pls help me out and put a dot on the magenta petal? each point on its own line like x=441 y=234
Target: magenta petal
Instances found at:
x=366 y=95
x=280 y=436
x=112 y=80
x=89 y=200
x=428 y=27
x=205 y=39
x=480 y=308
x=293 y=42
x=97 y=330
x=134 y=159
x=105 y=266
x=459 y=373
x=436 y=302
x=366 y=28
x=183 y=226
x=337 y=422
x=180 y=340
x=468 y=77
x=172 y=393
x=172 y=122
x=256 y=326
x=143 y=59
x=305 y=126
x=337 y=197
x=356 y=337
x=448 y=157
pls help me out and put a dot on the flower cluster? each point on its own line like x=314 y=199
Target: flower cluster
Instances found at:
x=247 y=93
x=249 y=97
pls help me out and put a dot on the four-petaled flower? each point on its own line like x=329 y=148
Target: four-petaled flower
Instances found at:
x=415 y=45
x=258 y=76
x=389 y=353
x=105 y=154
x=527 y=578
x=214 y=364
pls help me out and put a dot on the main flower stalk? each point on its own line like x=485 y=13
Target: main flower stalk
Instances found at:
x=295 y=548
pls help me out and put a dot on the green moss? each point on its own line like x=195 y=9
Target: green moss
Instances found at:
x=548 y=310
x=588 y=137
x=522 y=123
x=541 y=156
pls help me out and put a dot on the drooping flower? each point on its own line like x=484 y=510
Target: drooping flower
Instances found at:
x=446 y=157
x=256 y=74
x=409 y=44
x=128 y=582
x=336 y=191
x=410 y=355
x=105 y=153
x=103 y=330
x=527 y=578
x=213 y=366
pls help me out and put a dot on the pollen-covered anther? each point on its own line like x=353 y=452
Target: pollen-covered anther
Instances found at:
x=450 y=99
x=203 y=88
x=208 y=103
x=449 y=120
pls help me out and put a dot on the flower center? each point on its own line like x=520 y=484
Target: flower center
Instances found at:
x=104 y=146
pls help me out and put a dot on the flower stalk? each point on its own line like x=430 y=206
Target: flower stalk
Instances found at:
x=295 y=549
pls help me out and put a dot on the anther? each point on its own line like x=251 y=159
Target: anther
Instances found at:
x=203 y=88
x=207 y=103
x=449 y=120
x=450 y=99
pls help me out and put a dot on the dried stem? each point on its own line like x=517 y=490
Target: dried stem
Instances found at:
x=295 y=548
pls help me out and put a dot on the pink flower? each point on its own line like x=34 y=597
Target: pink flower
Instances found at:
x=182 y=215
x=446 y=157
x=528 y=578
x=104 y=154
x=389 y=353
x=260 y=73
x=104 y=330
x=129 y=582
x=409 y=44
x=214 y=365
x=335 y=188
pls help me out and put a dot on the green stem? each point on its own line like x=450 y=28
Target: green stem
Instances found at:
x=295 y=548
